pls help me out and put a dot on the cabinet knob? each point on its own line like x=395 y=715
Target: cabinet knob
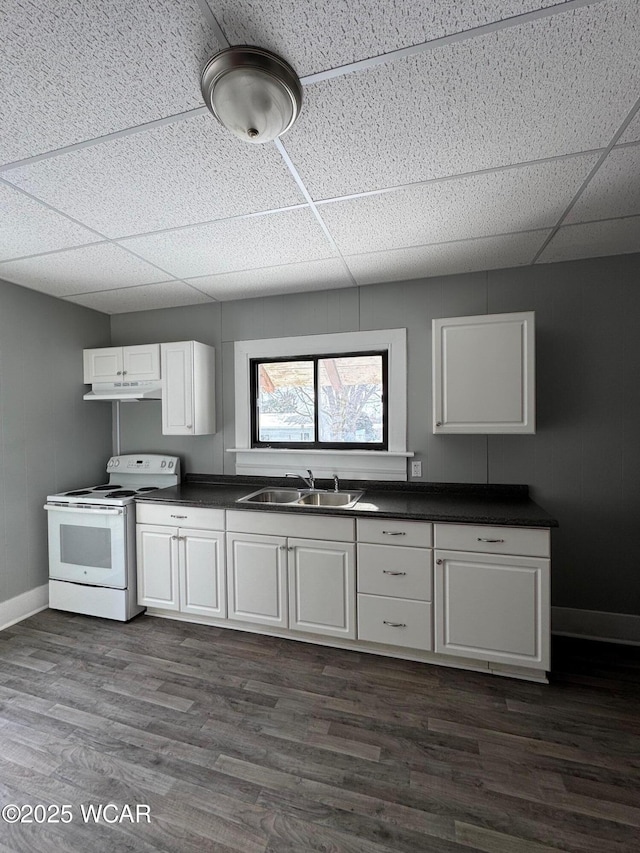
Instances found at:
x=174 y=537
x=283 y=547
x=438 y=423
x=290 y=548
x=124 y=372
x=395 y=574
x=189 y=426
x=439 y=562
x=118 y=373
x=394 y=624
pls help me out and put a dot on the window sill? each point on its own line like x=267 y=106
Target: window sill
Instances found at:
x=347 y=464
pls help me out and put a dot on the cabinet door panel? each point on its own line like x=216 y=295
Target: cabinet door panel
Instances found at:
x=177 y=388
x=141 y=362
x=157 y=553
x=256 y=578
x=492 y=607
x=202 y=576
x=322 y=587
x=483 y=374
x=102 y=365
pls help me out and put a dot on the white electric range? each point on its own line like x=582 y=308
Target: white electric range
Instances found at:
x=92 y=557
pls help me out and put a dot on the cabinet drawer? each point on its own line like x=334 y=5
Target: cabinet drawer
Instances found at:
x=180 y=516
x=395 y=622
x=395 y=571
x=529 y=542
x=390 y=531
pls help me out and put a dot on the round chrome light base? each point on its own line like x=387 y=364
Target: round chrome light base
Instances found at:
x=252 y=92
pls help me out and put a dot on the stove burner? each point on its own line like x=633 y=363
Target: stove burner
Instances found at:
x=123 y=493
x=148 y=489
x=78 y=493
x=106 y=488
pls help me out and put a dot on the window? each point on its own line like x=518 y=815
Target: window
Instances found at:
x=328 y=401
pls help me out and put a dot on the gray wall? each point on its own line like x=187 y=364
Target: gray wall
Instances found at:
x=50 y=439
x=583 y=464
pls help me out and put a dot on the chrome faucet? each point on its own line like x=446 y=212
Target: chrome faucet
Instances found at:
x=310 y=480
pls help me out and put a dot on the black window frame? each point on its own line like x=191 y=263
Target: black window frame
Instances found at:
x=315 y=358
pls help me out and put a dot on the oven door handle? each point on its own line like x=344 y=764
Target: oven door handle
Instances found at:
x=98 y=510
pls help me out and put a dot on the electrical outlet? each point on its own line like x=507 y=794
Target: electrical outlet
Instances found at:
x=416 y=469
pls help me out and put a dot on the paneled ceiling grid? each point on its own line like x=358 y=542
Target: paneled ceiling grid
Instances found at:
x=434 y=138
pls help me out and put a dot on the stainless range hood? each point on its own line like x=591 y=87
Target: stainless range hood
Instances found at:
x=125 y=391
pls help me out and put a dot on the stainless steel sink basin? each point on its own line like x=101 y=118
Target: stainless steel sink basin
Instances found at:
x=297 y=497
x=272 y=496
x=333 y=499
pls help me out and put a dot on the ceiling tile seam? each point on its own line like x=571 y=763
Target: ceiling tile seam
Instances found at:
x=51 y=252
x=107 y=137
x=491 y=170
x=626 y=144
x=305 y=192
x=447 y=242
x=104 y=238
x=444 y=41
x=134 y=287
x=627 y=121
x=191 y=278
x=212 y=21
x=237 y=216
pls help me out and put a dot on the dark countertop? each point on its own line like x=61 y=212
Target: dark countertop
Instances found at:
x=453 y=502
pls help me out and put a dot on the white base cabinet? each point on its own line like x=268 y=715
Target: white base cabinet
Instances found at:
x=301 y=584
x=441 y=593
x=493 y=606
x=181 y=568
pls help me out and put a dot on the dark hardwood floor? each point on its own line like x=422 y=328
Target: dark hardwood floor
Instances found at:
x=238 y=742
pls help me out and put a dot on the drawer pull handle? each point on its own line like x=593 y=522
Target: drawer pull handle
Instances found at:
x=394 y=624
x=395 y=574
x=393 y=533
x=178 y=516
x=480 y=539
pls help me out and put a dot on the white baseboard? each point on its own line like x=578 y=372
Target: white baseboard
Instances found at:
x=18 y=608
x=596 y=625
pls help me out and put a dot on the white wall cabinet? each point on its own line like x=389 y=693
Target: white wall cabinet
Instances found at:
x=188 y=388
x=493 y=606
x=181 y=568
x=118 y=364
x=484 y=374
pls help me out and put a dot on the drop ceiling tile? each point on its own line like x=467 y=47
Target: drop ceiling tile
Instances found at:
x=320 y=34
x=446 y=258
x=614 y=191
x=520 y=199
x=28 y=227
x=145 y=297
x=632 y=133
x=593 y=239
x=183 y=173
x=78 y=69
x=290 y=278
x=236 y=244
x=82 y=270
x=554 y=86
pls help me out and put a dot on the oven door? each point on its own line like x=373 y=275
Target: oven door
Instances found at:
x=88 y=544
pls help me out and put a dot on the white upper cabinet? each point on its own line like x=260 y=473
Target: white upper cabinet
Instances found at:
x=122 y=364
x=484 y=374
x=188 y=389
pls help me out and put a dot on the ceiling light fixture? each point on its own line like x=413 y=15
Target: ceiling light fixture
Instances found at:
x=252 y=92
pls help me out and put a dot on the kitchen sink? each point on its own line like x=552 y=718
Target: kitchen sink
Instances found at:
x=343 y=499
x=297 y=497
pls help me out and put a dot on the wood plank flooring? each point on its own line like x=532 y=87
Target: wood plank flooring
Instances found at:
x=246 y=744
